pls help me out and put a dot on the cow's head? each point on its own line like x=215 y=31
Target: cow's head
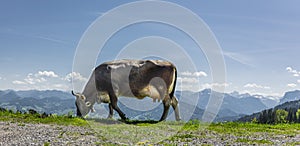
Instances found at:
x=83 y=106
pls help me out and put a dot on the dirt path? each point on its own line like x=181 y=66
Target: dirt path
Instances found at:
x=43 y=134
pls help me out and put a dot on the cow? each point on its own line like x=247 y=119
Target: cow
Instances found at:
x=129 y=78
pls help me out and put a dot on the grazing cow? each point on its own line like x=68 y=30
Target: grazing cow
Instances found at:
x=129 y=78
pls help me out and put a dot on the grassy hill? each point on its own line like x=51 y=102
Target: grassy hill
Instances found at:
x=113 y=132
x=291 y=106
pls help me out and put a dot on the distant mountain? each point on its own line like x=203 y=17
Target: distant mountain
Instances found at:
x=268 y=101
x=50 y=101
x=239 y=104
x=290 y=96
x=9 y=96
x=290 y=104
x=45 y=94
x=233 y=106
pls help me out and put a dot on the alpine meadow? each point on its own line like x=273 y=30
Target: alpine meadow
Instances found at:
x=158 y=72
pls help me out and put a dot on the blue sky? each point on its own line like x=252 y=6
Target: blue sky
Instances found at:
x=260 y=42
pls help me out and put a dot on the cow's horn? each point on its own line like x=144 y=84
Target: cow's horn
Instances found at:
x=73 y=93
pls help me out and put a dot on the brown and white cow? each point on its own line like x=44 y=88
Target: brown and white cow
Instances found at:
x=129 y=78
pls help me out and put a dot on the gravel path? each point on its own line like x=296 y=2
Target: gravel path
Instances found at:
x=213 y=138
x=24 y=134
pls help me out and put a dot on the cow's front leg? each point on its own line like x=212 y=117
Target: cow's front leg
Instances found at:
x=111 y=111
x=166 y=103
x=114 y=101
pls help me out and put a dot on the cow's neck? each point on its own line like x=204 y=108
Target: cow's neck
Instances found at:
x=90 y=91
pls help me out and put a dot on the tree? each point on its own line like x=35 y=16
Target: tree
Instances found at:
x=263 y=117
x=281 y=116
x=290 y=115
x=270 y=117
x=254 y=120
x=298 y=116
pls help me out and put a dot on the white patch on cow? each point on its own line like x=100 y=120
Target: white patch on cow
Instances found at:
x=103 y=97
x=173 y=81
x=154 y=94
x=117 y=66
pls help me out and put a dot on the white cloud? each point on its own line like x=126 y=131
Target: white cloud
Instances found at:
x=194 y=74
x=30 y=79
x=33 y=79
x=293 y=71
x=18 y=82
x=188 y=83
x=253 y=85
x=200 y=74
x=46 y=74
x=268 y=94
x=296 y=74
x=215 y=85
x=76 y=77
x=186 y=73
x=289 y=69
x=292 y=85
x=188 y=80
x=39 y=77
x=47 y=80
x=61 y=86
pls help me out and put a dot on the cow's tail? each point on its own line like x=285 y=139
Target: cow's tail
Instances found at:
x=174 y=79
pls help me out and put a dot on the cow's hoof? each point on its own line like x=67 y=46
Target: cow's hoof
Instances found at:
x=109 y=117
x=125 y=120
x=178 y=119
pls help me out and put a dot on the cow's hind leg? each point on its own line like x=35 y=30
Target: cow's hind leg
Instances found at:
x=166 y=103
x=113 y=102
x=175 y=106
x=111 y=111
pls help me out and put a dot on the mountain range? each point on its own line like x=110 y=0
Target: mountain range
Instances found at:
x=290 y=96
x=192 y=104
x=49 y=101
x=233 y=106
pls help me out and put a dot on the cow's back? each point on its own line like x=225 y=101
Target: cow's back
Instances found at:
x=132 y=76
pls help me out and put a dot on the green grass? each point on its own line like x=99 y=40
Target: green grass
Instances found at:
x=20 y=118
x=240 y=129
x=246 y=133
